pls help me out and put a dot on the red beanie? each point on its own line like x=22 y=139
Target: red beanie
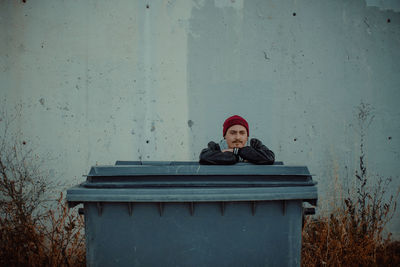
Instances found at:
x=235 y=120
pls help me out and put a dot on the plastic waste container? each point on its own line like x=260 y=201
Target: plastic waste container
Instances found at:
x=186 y=214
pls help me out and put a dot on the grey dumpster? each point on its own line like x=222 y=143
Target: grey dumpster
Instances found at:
x=186 y=214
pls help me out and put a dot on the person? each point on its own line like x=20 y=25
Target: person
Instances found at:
x=236 y=134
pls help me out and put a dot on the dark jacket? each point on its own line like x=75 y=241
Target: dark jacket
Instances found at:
x=255 y=153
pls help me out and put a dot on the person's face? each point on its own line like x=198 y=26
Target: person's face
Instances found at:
x=236 y=136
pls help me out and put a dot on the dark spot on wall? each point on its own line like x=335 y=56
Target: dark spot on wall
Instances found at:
x=388 y=20
x=147 y=141
x=294 y=14
x=266 y=56
x=21 y=48
x=23 y=142
x=147 y=6
x=41 y=101
x=366 y=23
x=390 y=138
x=190 y=123
x=295 y=139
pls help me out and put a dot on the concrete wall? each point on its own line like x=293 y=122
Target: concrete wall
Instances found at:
x=100 y=81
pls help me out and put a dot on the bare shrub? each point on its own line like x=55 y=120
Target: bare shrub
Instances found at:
x=31 y=234
x=353 y=234
x=64 y=237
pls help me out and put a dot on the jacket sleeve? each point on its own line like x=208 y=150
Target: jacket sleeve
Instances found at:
x=213 y=155
x=257 y=153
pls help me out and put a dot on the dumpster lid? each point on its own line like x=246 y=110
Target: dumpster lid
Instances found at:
x=174 y=182
x=165 y=174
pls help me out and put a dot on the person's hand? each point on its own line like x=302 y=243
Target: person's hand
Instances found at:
x=228 y=150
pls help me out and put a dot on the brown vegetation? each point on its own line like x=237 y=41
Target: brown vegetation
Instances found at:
x=54 y=238
x=342 y=240
x=32 y=234
x=353 y=234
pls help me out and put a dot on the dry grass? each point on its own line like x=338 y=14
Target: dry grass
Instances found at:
x=32 y=234
x=54 y=238
x=337 y=241
x=353 y=233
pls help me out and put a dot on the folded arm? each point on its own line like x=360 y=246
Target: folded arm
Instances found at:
x=257 y=153
x=213 y=155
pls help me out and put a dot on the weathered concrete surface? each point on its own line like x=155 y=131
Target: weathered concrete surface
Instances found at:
x=100 y=81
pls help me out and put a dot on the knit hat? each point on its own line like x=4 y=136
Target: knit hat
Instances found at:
x=235 y=120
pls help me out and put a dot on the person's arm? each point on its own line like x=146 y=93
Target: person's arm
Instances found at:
x=257 y=153
x=213 y=155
